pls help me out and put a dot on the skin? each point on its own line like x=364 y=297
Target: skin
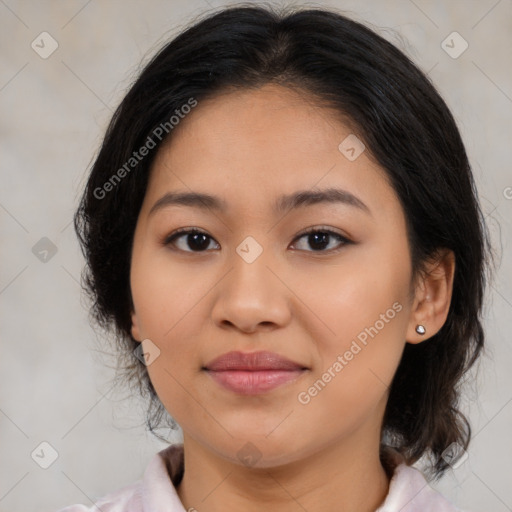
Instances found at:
x=248 y=148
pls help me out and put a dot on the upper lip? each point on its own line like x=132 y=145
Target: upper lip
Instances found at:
x=262 y=360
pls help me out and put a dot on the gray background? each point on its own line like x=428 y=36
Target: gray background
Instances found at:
x=54 y=384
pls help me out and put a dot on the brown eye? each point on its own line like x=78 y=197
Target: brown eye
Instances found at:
x=193 y=240
x=320 y=239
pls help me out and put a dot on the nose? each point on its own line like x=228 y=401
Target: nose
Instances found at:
x=252 y=296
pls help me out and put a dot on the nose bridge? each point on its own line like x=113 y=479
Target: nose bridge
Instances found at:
x=250 y=294
x=250 y=276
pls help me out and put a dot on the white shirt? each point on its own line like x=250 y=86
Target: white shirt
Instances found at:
x=156 y=492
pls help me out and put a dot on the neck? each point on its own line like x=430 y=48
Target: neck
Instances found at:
x=343 y=477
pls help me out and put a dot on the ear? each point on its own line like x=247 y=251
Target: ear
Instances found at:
x=433 y=296
x=135 y=327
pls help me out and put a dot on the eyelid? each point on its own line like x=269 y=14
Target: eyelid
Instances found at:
x=185 y=231
x=323 y=229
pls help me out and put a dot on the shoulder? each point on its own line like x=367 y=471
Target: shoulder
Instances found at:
x=409 y=491
x=127 y=498
x=155 y=491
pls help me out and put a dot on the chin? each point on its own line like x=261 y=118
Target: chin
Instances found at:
x=259 y=451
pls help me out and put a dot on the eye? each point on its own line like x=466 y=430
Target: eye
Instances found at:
x=320 y=238
x=195 y=240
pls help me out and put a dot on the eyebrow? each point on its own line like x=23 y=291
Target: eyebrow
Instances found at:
x=301 y=198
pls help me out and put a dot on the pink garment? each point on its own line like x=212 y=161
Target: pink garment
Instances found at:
x=156 y=492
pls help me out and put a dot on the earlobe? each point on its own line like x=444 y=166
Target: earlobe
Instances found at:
x=135 y=327
x=433 y=298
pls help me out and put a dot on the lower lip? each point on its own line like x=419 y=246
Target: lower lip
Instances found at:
x=254 y=382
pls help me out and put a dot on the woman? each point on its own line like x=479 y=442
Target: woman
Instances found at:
x=283 y=230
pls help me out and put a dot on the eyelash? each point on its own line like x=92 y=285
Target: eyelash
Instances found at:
x=170 y=239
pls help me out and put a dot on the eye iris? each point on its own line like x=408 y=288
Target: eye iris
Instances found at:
x=200 y=241
x=319 y=238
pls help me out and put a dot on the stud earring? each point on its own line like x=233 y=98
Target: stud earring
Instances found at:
x=420 y=329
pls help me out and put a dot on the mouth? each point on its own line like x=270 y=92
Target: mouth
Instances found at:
x=253 y=373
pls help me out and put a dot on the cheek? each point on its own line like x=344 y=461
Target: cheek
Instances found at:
x=355 y=373
x=165 y=295
x=167 y=300
x=363 y=307
x=371 y=289
x=355 y=301
x=174 y=373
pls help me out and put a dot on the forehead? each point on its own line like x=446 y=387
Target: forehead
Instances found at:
x=251 y=146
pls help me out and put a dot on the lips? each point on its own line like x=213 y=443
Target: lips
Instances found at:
x=253 y=373
x=252 y=361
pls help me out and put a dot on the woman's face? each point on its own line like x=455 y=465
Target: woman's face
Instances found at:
x=339 y=310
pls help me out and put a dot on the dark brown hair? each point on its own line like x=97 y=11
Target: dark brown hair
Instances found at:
x=407 y=129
